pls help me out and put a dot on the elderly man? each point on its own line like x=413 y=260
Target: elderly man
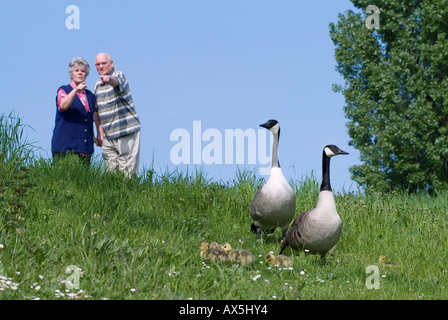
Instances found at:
x=119 y=120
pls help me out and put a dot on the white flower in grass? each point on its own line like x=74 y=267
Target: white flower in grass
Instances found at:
x=256 y=277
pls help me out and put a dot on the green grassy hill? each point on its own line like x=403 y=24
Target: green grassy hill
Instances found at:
x=139 y=238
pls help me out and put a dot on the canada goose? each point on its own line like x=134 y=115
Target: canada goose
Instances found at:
x=243 y=257
x=213 y=252
x=274 y=204
x=280 y=260
x=318 y=230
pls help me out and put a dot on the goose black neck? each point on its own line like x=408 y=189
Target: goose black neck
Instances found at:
x=325 y=186
x=274 y=161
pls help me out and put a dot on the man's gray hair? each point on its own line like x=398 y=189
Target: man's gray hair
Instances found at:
x=78 y=61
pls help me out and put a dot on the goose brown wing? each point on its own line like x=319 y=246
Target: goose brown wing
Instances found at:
x=253 y=205
x=294 y=237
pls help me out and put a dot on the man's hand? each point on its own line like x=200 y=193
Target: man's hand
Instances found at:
x=105 y=78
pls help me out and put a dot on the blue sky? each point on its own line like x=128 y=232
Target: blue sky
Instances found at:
x=229 y=64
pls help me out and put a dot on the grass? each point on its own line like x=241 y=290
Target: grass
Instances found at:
x=139 y=238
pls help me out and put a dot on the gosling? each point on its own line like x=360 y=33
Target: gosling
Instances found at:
x=204 y=249
x=213 y=252
x=382 y=260
x=280 y=260
x=243 y=257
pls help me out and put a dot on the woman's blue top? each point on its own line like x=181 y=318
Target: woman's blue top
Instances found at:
x=73 y=129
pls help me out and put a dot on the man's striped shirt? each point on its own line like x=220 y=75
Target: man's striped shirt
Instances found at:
x=116 y=108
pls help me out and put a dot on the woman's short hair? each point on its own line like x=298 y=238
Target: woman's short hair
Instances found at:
x=78 y=61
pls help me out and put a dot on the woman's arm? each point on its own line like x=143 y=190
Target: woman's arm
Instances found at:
x=99 y=130
x=67 y=101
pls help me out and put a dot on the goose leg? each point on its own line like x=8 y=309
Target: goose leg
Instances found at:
x=284 y=245
x=323 y=259
x=283 y=234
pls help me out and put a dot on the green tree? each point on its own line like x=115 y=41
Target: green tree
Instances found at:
x=396 y=92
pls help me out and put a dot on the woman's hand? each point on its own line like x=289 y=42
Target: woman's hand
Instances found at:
x=98 y=141
x=99 y=130
x=81 y=87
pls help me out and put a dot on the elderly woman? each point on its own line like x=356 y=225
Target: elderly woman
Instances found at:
x=73 y=130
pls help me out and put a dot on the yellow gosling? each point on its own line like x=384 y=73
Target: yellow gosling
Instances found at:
x=280 y=260
x=382 y=260
x=204 y=249
x=213 y=252
x=240 y=256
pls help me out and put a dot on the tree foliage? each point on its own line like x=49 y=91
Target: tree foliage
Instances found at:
x=396 y=92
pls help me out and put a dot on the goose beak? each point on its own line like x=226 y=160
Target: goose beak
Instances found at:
x=264 y=125
x=331 y=150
